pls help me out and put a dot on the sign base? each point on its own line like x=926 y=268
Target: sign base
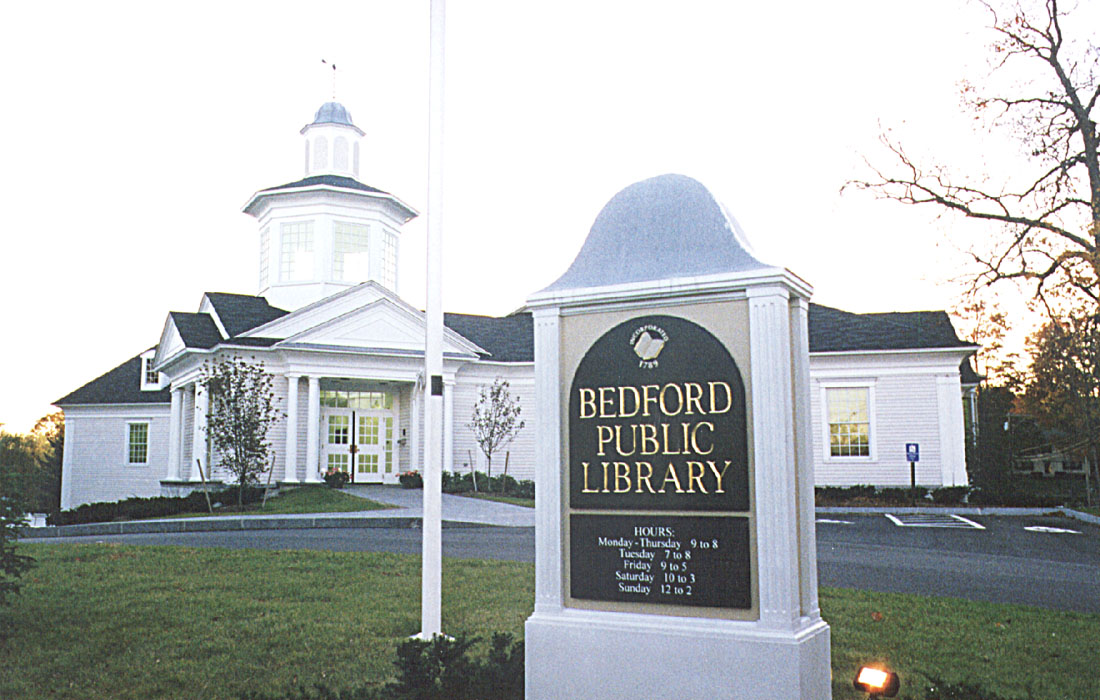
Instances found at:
x=625 y=656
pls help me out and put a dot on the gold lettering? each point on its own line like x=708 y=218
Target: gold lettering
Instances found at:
x=633 y=441
x=679 y=399
x=695 y=477
x=670 y=475
x=713 y=397
x=605 y=489
x=622 y=402
x=718 y=475
x=694 y=394
x=604 y=401
x=695 y=438
x=601 y=431
x=644 y=477
x=586 y=489
x=622 y=473
x=588 y=401
x=650 y=446
x=664 y=433
x=647 y=399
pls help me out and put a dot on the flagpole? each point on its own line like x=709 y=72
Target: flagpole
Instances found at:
x=432 y=557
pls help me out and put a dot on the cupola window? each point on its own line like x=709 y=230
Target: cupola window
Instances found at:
x=296 y=251
x=350 y=257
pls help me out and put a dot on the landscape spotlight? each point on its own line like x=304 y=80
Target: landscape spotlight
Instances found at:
x=876 y=682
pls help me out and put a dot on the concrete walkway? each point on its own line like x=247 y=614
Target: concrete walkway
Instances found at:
x=407 y=512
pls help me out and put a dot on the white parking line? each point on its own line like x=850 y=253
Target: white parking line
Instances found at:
x=1055 y=530
x=833 y=522
x=947 y=520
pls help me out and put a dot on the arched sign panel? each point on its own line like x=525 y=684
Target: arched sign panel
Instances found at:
x=658 y=489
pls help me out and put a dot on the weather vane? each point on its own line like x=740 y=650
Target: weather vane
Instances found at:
x=333 y=77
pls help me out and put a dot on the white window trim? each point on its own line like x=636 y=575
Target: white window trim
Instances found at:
x=146 y=360
x=826 y=452
x=148 y=423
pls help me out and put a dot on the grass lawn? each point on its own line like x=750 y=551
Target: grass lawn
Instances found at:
x=499 y=498
x=304 y=499
x=111 y=621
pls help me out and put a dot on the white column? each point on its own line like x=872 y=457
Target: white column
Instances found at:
x=774 y=454
x=952 y=431
x=313 y=431
x=416 y=461
x=198 y=433
x=291 y=475
x=804 y=457
x=449 y=427
x=175 y=438
x=548 y=515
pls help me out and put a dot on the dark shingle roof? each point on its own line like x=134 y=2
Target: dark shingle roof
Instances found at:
x=511 y=339
x=120 y=385
x=833 y=330
x=240 y=313
x=967 y=375
x=196 y=330
x=332 y=180
x=507 y=339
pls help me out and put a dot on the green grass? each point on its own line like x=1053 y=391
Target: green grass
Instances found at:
x=500 y=498
x=111 y=621
x=304 y=499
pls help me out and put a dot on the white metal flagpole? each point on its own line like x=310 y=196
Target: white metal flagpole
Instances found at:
x=432 y=560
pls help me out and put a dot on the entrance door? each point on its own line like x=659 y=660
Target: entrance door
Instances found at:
x=359 y=443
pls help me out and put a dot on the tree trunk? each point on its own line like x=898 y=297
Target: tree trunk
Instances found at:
x=473 y=469
x=503 y=482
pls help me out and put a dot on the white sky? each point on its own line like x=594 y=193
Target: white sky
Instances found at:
x=135 y=132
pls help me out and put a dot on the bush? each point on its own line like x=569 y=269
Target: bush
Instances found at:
x=155 y=507
x=441 y=669
x=336 y=479
x=950 y=495
x=12 y=564
x=413 y=480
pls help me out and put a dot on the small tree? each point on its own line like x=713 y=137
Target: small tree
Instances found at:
x=242 y=410
x=495 y=421
x=12 y=514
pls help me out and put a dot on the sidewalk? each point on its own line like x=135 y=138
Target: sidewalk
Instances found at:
x=407 y=512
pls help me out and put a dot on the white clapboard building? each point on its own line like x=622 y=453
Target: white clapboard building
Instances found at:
x=348 y=356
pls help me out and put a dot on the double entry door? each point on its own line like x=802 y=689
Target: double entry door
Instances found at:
x=359 y=443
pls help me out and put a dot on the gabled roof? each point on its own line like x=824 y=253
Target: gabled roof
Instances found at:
x=120 y=385
x=833 y=330
x=507 y=339
x=242 y=312
x=196 y=330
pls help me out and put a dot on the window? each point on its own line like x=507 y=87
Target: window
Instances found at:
x=150 y=378
x=137 y=443
x=849 y=421
x=296 y=252
x=360 y=400
x=350 y=259
x=340 y=154
x=265 y=251
x=389 y=261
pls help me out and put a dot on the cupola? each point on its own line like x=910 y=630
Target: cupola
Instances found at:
x=332 y=142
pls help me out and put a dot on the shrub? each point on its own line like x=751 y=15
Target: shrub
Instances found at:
x=336 y=479
x=155 y=507
x=441 y=669
x=950 y=495
x=413 y=480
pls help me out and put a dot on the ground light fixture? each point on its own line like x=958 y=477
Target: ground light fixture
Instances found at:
x=877 y=682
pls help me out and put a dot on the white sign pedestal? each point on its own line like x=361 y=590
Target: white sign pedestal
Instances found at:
x=684 y=259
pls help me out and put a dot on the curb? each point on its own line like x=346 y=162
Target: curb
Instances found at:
x=960 y=510
x=351 y=522
x=234 y=525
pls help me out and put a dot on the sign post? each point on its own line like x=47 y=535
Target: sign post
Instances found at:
x=674 y=540
x=912 y=455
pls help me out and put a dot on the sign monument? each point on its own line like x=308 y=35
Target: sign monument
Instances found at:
x=675 y=552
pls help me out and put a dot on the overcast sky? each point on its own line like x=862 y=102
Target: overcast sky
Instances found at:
x=134 y=134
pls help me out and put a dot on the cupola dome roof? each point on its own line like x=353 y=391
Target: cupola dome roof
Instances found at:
x=333 y=113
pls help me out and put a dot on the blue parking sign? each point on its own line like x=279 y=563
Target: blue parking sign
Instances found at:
x=912 y=452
